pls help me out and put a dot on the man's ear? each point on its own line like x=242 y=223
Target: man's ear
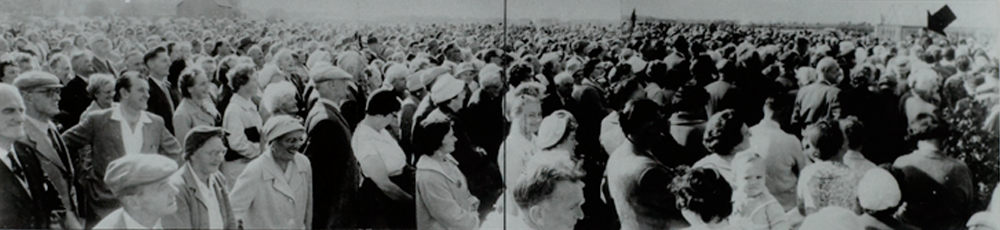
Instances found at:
x=537 y=215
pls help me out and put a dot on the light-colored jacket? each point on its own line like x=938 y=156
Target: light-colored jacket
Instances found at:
x=443 y=198
x=192 y=212
x=189 y=115
x=263 y=199
x=241 y=114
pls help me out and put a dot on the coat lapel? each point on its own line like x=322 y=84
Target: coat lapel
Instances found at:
x=10 y=181
x=192 y=185
x=38 y=139
x=277 y=177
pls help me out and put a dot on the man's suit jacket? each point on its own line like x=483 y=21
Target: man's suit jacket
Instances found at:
x=815 y=102
x=74 y=99
x=62 y=176
x=103 y=134
x=159 y=104
x=18 y=209
x=336 y=172
x=191 y=210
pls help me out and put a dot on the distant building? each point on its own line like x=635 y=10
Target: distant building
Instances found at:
x=209 y=9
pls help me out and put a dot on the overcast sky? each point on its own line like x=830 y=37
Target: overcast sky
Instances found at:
x=970 y=13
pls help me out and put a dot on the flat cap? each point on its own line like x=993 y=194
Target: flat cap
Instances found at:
x=328 y=72
x=36 y=79
x=137 y=169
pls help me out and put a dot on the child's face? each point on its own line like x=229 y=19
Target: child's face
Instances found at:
x=750 y=178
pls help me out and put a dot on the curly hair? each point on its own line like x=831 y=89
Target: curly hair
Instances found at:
x=826 y=136
x=723 y=132
x=854 y=131
x=540 y=178
x=239 y=75
x=187 y=79
x=705 y=192
x=428 y=137
x=927 y=126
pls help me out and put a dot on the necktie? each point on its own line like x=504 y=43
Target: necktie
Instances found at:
x=60 y=147
x=16 y=167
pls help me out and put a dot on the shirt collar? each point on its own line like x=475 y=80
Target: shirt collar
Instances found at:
x=116 y=114
x=87 y=80
x=330 y=102
x=41 y=125
x=4 y=153
x=131 y=223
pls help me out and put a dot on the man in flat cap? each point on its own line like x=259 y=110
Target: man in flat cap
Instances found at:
x=113 y=133
x=337 y=172
x=40 y=91
x=27 y=198
x=141 y=182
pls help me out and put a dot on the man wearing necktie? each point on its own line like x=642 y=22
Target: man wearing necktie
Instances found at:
x=41 y=93
x=27 y=198
x=163 y=98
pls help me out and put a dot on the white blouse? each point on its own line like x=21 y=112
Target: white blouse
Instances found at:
x=367 y=142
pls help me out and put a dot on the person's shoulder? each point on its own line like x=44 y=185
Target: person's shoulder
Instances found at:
x=112 y=221
x=301 y=158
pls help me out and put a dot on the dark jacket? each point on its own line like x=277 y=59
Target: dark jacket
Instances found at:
x=21 y=211
x=336 y=171
x=160 y=105
x=485 y=117
x=74 y=99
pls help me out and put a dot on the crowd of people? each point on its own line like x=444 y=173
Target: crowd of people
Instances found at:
x=128 y=123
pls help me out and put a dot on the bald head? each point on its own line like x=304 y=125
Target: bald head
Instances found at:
x=829 y=68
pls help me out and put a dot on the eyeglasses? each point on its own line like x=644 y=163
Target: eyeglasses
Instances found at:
x=49 y=92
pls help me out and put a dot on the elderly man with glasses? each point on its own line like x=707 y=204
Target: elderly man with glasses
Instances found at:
x=40 y=91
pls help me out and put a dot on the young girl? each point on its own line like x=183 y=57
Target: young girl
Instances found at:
x=753 y=206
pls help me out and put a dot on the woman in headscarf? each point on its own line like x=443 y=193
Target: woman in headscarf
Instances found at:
x=196 y=108
x=275 y=190
x=387 y=191
x=442 y=196
x=518 y=148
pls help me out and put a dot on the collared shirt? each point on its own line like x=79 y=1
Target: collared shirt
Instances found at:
x=6 y=161
x=131 y=138
x=131 y=223
x=211 y=200
x=368 y=143
x=41 y=125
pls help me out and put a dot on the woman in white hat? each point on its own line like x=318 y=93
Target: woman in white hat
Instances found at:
x=275 y=189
